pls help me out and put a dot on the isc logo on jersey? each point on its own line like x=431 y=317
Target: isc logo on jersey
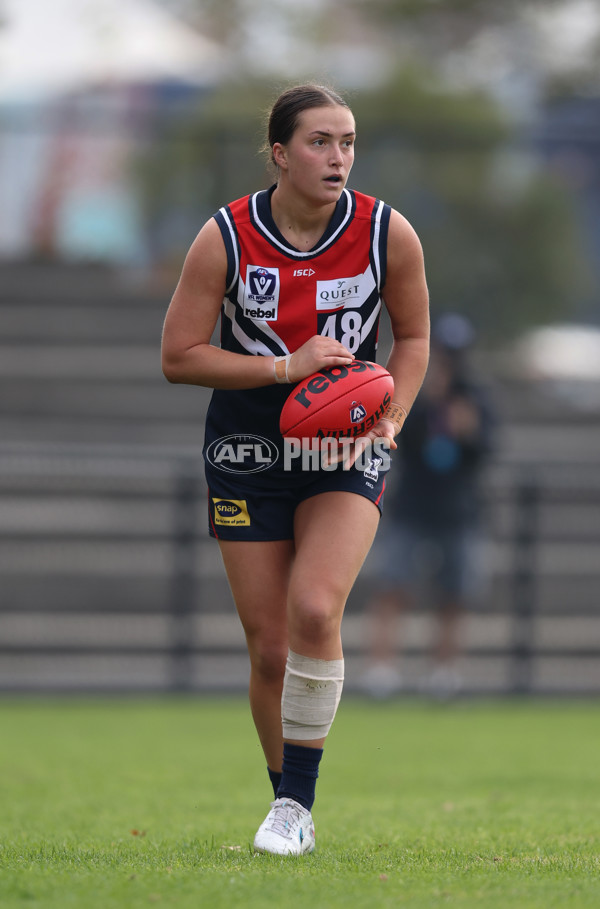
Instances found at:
x=340 y=293
x=261 y=293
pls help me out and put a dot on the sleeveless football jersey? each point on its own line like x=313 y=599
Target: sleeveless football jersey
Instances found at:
x=278 y=297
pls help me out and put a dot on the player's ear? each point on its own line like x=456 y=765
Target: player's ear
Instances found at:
x=279 y=154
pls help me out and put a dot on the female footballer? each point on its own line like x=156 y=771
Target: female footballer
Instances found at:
x=294 y=540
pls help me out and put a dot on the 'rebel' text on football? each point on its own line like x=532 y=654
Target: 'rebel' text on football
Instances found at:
x=320 y=382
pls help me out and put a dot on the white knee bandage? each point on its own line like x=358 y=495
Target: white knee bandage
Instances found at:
x=311 y=693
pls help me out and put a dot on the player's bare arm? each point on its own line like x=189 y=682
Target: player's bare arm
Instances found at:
x=407 y=300
x=189 y=358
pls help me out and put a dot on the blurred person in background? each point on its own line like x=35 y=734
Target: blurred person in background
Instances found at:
x=432 y=537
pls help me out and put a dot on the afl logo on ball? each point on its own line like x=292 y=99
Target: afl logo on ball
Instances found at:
x=357 y=412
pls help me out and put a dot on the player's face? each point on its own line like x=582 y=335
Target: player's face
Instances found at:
x=318 y=158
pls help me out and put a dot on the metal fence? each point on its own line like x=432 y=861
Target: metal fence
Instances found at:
x=110 y=582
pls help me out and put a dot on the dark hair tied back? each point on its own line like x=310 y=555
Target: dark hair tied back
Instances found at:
x=284 y=115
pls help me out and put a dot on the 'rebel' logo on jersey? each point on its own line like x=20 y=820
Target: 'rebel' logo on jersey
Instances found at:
x=261 y=293
x=357 y=412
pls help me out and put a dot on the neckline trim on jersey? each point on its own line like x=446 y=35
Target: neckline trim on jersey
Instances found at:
x=262 y=218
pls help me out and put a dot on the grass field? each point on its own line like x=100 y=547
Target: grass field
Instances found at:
x=132 y=803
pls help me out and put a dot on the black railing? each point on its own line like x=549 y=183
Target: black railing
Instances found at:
x=527 y=493
x=110 y=581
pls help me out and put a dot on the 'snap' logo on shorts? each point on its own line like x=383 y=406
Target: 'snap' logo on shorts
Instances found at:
x=231 y=512
x=261 y=293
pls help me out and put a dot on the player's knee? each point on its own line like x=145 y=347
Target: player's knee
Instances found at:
x=315 y=612
x=313 y=624
x=268 y=659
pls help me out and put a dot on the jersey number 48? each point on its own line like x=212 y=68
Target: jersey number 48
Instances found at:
x=345 y=326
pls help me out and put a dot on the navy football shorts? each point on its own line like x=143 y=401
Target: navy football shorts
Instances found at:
x=249 y=508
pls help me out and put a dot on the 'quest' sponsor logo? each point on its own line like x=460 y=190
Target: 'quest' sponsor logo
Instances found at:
x=339 y=293
x=242 y=454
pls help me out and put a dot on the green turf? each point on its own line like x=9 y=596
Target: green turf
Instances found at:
x=139 y=803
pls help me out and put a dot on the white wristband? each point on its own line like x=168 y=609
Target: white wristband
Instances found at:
x=280 y=369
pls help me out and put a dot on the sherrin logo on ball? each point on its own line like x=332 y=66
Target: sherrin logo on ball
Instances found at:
x=341 y=402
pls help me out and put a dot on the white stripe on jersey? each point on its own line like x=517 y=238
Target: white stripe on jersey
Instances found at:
x=252 y=345
x=364 y=332
x=376 y=241
x=234 y=244
x=290 y=249
x=368 y=325
x=262 y=324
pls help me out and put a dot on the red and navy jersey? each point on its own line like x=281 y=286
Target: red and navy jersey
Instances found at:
x=278 y=297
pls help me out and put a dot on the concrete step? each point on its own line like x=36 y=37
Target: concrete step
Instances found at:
x=82 y=285
x=47 y=322
x=150 y=400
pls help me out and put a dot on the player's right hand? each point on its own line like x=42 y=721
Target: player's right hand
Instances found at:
x=317 y=353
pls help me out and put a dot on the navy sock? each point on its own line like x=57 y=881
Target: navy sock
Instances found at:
x=275 y=777
x=299 y=774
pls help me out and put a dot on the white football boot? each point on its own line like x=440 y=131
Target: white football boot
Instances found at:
x=288 y=829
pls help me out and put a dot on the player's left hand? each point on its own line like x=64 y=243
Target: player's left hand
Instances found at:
x=383 y=430
x=351 y=449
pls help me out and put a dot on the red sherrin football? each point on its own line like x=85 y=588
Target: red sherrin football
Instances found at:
x=338 y=402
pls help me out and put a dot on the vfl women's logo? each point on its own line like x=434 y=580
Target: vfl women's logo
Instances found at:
x=357 y=412
x=261 y=293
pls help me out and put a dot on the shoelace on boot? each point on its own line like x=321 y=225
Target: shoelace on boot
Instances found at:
x=285 y=816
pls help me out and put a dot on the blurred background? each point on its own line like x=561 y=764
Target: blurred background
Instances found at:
x=124 y=124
